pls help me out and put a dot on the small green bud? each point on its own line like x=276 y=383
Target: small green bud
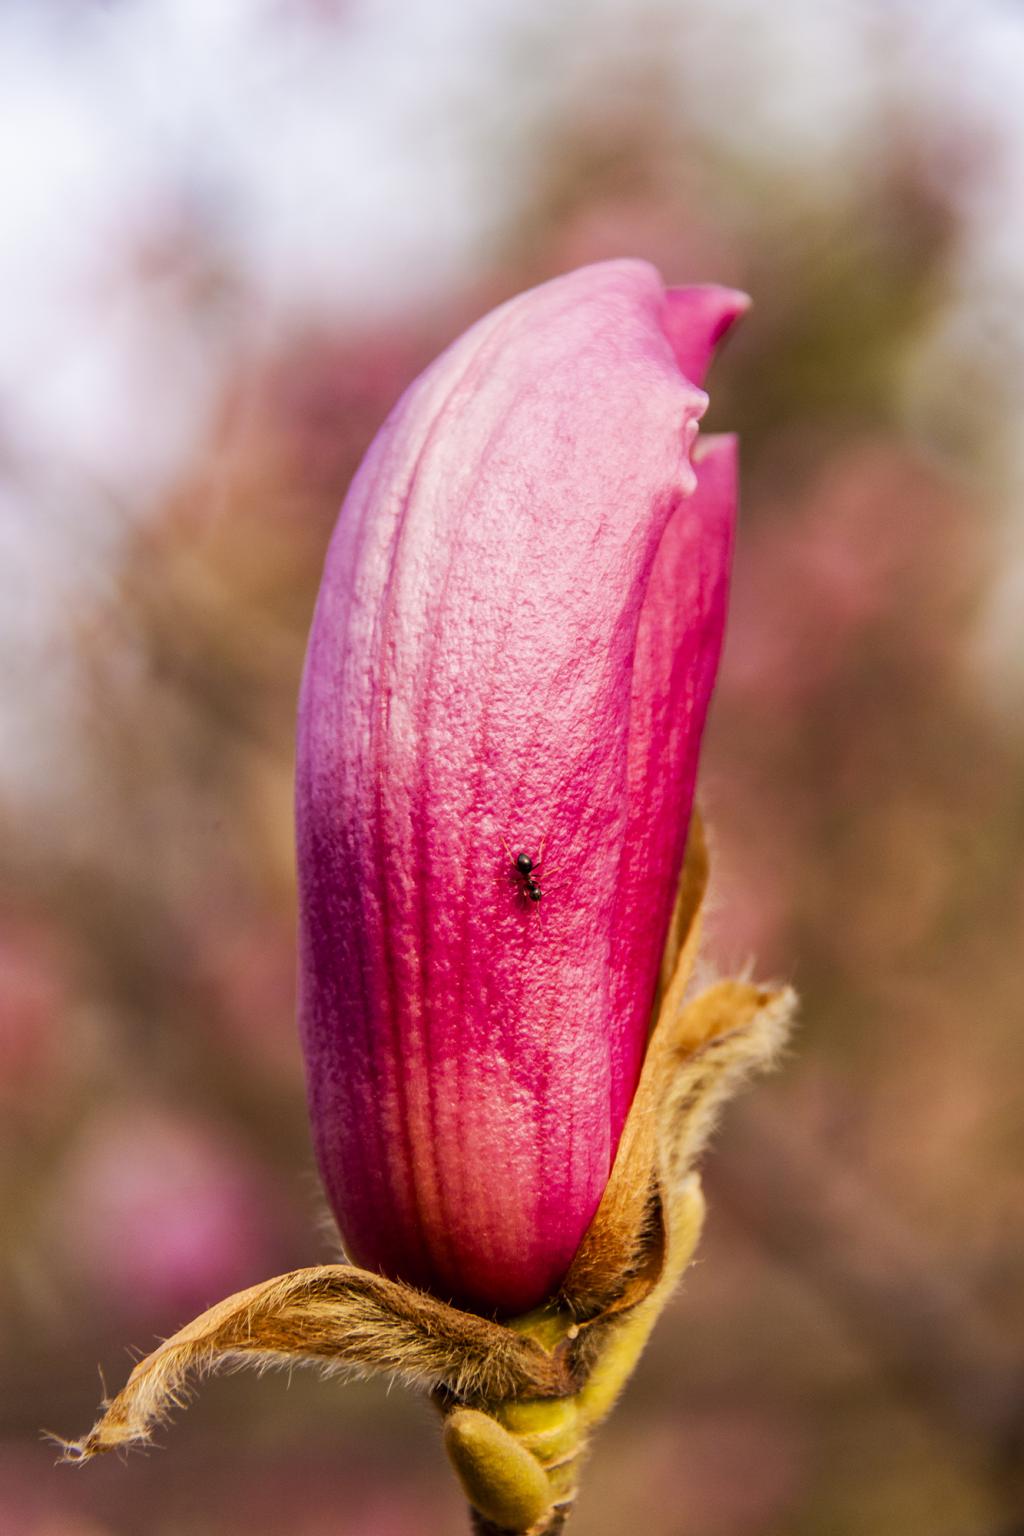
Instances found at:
x=499 y=1477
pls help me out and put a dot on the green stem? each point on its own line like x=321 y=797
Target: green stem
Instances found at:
x=555 y=1525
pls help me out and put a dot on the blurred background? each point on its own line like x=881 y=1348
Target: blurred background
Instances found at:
x=232 y=231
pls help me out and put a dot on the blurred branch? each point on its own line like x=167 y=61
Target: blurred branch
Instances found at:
x=930 y=1335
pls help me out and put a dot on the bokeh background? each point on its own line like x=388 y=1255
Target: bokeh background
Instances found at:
x=231 y=231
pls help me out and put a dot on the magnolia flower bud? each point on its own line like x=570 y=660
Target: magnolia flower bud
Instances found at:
x=513 y=651
x=509 y=1079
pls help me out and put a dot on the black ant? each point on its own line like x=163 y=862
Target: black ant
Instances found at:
x=525 y=866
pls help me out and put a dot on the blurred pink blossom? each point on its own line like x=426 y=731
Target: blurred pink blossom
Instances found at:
x=33 y=1004
x=164 y=1214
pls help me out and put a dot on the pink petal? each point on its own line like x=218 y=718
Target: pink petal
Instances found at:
x=696 y=320
x=526 y=513
x=682 y=625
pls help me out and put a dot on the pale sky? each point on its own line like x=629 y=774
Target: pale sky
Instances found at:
x=359 y=158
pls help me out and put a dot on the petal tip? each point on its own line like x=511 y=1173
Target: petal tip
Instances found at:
x=716 y=447
x=696 y=320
